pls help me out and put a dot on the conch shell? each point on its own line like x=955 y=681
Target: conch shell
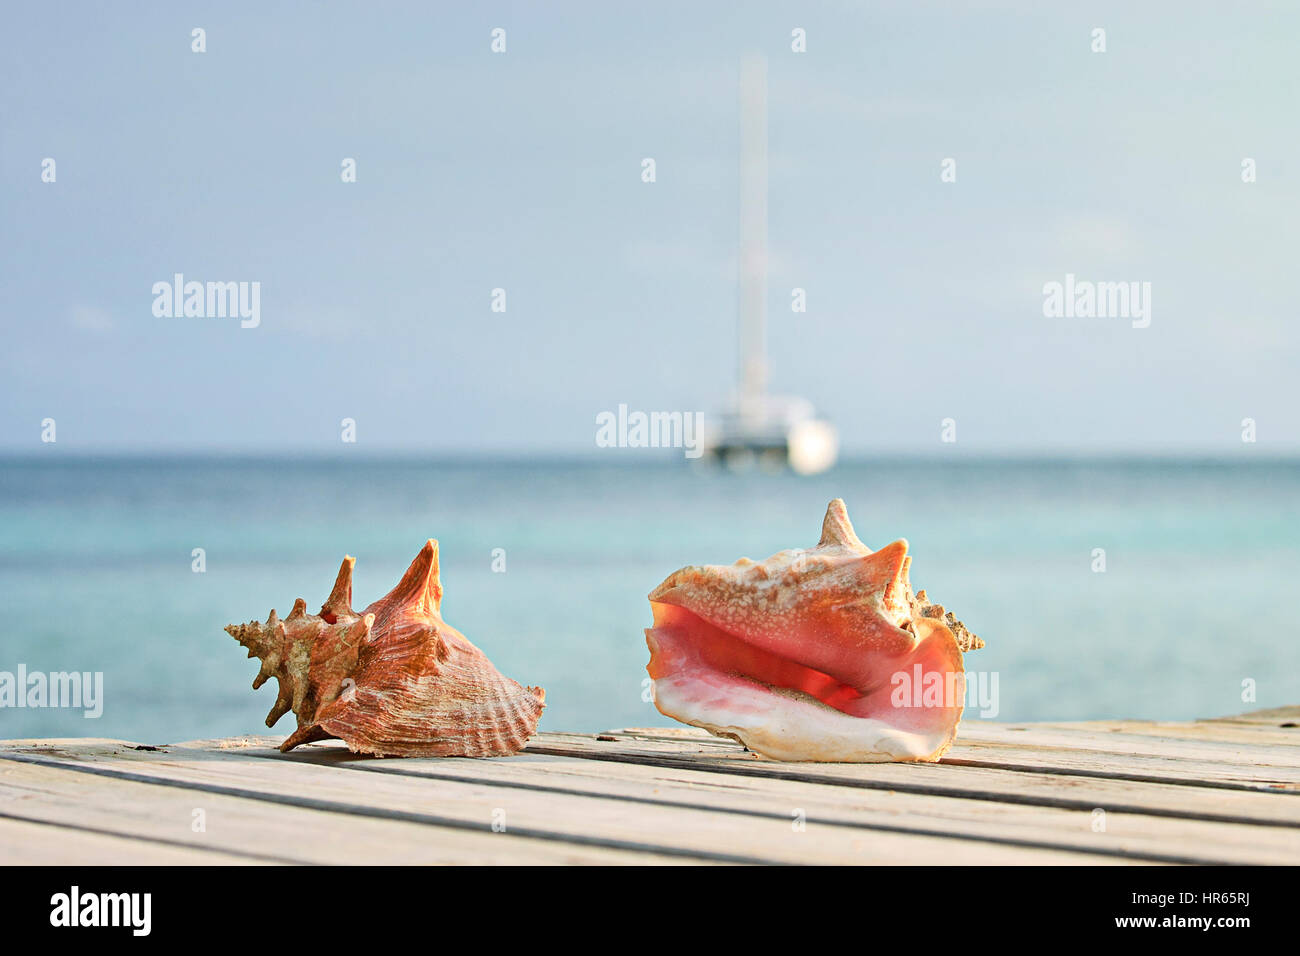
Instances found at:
x=394 y=680
x=818 y=654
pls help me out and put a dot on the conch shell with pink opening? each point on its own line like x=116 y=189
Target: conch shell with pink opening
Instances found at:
x=817 y=654
x=394 y=680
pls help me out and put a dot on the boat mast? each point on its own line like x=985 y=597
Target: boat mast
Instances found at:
x=753 y=235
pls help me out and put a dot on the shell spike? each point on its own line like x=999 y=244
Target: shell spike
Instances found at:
x=281 y=707
x=421 y=585
x=340 y=600
x=837 y=529
x=892 y=564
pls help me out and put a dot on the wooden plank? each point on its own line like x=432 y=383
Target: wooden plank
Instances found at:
x=329 y=796
x=1135 y=836
x=1133 y=742
x=1270 y=717
x=25 y=842
x=591 y=820
x=142 y=817
x=1118 y=766
x=1070 y=760
x=1082 y=750
x=969 y=783
x=1136 y=771
x=1249 y=735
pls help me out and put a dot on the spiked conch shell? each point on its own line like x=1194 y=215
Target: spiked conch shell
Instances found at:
x=818 y=654
x=393 y=680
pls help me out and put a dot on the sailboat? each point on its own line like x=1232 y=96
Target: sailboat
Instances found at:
x=770 y=431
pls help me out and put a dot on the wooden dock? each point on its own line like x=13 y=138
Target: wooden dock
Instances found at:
x=1209 y=791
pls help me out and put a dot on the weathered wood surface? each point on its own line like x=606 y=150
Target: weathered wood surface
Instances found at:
x=1212 y=791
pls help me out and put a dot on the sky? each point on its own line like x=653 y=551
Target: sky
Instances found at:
x=522 y=171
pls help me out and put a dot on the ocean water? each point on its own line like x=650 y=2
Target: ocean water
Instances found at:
x=1202 y=560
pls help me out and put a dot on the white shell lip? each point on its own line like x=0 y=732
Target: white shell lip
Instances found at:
x=805 y=731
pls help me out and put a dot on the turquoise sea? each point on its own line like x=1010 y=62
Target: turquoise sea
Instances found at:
x=1201 y=564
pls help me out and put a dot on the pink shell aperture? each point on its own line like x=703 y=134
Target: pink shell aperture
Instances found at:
x=817 y=654
x=395 y=679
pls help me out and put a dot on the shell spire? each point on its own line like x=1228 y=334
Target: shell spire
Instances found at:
x=395 y=679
